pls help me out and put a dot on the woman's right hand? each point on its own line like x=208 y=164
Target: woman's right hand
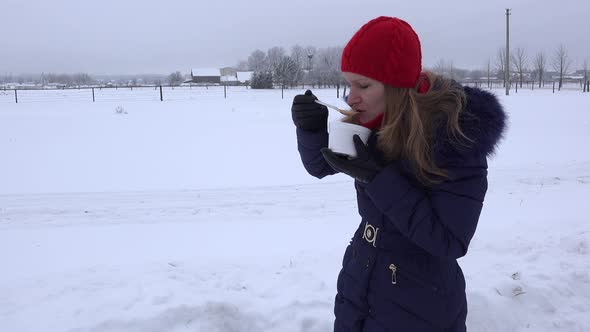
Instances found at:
x=307 y=114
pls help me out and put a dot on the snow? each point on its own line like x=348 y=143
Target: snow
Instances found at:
x=195 y=214
x=206 y=72
x=245 y=76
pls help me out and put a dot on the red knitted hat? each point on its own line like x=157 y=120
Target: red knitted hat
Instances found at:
x=385 y=49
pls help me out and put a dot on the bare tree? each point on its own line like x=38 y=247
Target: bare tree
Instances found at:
x=64 y=79
x=500 y=63
x=151 y=79
x=489 y=70
x=287 y=71
x=81 y=79
x=310 y=52
x=585 y=69
x=242 y=65
x=175 y=78
x=445 y=68
x=274 y=56
x=540 y=66
x=475 y=74
x=299 y=55
x=327 y=66
x=257 y=61
x=440 y=67
x=561 y=63
x=519 y=61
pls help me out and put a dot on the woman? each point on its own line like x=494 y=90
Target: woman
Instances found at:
x=420 y=181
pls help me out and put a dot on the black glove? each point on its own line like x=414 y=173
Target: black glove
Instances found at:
x=363 y=168
x=307 y=114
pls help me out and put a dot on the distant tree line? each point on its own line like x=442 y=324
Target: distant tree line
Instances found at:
x=303 y=65
x=522 y=67
x=49 y=78
x=84 y=79
x=321 y=67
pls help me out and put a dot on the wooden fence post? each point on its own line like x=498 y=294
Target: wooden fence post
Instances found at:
x=224 y=91
x=93 y=95
x=15 y=96
x=161 y=95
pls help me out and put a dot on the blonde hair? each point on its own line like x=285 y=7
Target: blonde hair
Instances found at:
x=410 y=122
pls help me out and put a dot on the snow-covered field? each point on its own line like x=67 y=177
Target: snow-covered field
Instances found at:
x=195 y=214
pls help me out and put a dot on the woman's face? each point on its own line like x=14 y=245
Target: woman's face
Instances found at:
x=366 y=96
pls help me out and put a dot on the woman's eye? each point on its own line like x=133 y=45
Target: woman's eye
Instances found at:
x=364 y=86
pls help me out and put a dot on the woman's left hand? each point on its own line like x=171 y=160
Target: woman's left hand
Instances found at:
x=363 y=168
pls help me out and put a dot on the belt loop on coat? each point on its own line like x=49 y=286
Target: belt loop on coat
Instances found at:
x=370 y=234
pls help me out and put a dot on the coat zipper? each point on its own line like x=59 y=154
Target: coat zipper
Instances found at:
x=394 y=270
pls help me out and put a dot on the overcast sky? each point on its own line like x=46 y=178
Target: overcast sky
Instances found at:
x=145 y=36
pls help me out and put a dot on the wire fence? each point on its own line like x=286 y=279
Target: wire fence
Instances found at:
x=146 y=93
x=174 y=93
x=569 y=85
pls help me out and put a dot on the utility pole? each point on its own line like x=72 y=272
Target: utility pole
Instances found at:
x=507 y=69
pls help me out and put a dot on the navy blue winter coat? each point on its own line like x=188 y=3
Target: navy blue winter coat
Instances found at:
x=400 y=271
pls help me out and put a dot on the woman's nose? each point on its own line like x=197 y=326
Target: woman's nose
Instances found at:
x=353 y=98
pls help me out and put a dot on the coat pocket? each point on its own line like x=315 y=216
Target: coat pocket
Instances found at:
x=395 y=285
x=403 y=275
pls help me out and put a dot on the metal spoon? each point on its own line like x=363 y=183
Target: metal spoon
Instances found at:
x=341 y=111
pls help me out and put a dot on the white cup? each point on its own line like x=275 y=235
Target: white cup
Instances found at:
x=340 y=139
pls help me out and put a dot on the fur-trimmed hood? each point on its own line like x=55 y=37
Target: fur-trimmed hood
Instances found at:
x=483 y=121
